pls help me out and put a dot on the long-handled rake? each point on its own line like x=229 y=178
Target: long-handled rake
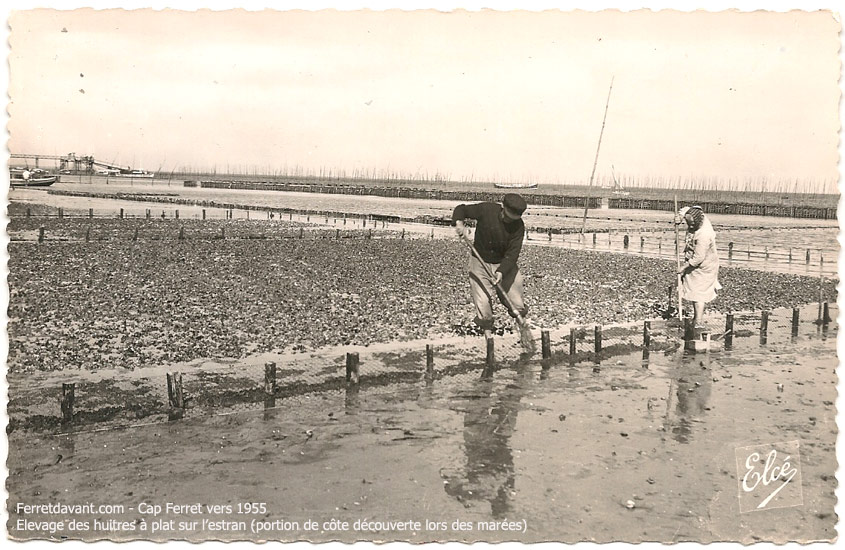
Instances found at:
x=678 y=264
x=526 y=338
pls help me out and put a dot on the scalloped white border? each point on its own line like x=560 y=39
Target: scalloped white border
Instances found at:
x=531 y=5
x=472 y=5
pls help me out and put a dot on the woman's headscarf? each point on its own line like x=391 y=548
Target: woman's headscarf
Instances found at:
x=696 y=214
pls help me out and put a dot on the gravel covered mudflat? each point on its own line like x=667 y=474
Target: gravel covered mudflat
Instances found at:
x=100 y=229
x=118 y=303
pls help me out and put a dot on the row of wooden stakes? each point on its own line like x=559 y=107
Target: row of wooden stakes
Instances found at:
x=176 y=399
x=270 y=215
x=42 y=234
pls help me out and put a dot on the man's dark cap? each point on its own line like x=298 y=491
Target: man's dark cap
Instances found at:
x=515 y=205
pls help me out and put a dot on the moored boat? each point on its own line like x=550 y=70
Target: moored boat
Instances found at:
x=515 y=185
x=619 y=191
x=135 y=174
x=30 y=178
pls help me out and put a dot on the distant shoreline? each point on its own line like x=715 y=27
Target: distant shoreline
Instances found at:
x=684 y=194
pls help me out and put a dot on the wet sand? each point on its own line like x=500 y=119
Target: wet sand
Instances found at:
x=577 y=451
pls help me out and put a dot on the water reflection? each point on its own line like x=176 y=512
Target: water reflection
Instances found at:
x=66 y=446
x=692 y=382
x=489 y=422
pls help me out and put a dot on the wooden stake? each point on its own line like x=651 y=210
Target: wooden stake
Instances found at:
x=646 y=342
x=170 y=398
x=546 y=344
x=68 y=391
x=269 y=385
x=270 y=378
x=174 y=395
x=764 y=327
x=429 y=359
x=597 y=339
x=729 y=330
x=352 y=376
x=180 y=398
x=572 y=341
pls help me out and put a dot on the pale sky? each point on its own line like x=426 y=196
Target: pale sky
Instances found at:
x=492 y=95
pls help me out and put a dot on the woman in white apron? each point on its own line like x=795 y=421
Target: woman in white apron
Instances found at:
x=700 y=270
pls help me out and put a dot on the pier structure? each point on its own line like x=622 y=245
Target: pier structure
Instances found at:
x=70 y=163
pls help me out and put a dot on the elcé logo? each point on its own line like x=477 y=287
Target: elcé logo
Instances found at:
x=769 y=476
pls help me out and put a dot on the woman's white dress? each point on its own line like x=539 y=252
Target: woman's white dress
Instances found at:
x=701 y=280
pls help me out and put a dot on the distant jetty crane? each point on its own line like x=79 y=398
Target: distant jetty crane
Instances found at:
x=72 y=162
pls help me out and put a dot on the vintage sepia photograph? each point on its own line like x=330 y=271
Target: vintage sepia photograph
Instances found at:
x=422 y=275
